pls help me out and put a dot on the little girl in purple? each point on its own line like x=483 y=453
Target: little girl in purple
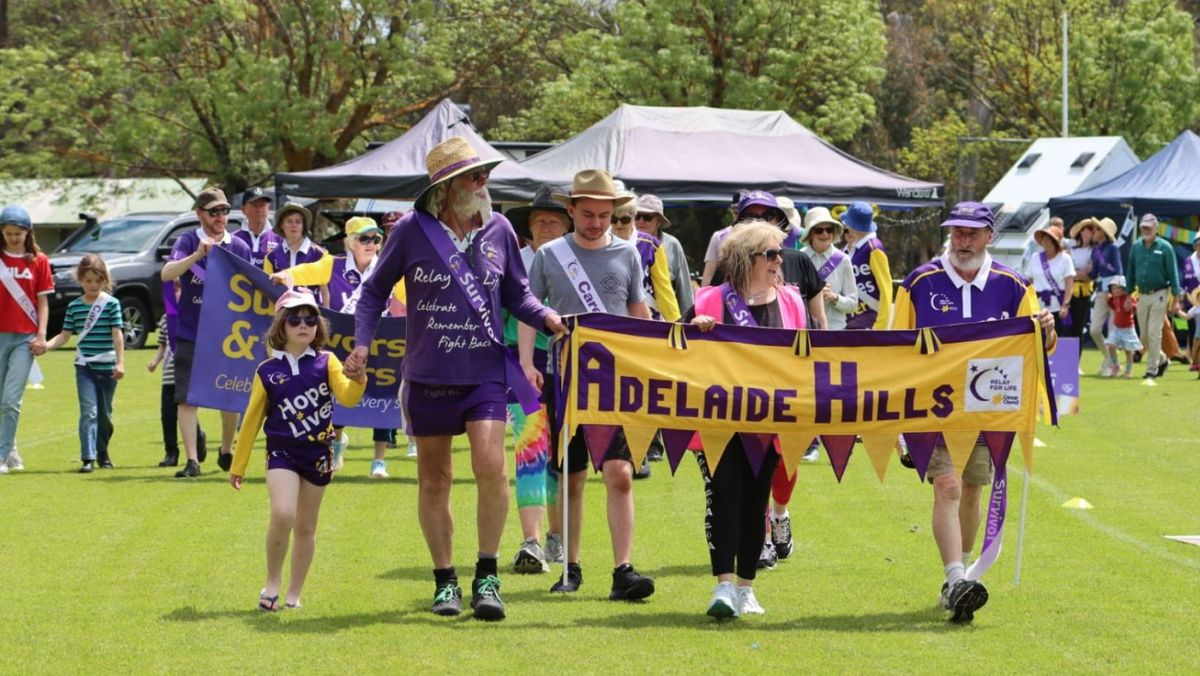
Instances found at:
x=293 y=393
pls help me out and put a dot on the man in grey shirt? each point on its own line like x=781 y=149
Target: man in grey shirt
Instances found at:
x=607 y=278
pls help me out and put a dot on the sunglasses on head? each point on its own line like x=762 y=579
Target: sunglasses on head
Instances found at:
x=623 y=220
x=646 y=217
x=295 y=321
x=769 y=254
x=217 y=211
x=819 y=231
x=369 y=239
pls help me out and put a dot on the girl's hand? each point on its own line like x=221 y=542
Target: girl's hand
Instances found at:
x=235 y=480
x=119 y=371
x=705 y=323
x=151 y=365
x=37 y=346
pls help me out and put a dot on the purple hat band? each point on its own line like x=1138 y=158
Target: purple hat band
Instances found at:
x=453 y=167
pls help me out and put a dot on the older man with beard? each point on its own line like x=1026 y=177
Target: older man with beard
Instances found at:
x=969 y=287
x=462 y=265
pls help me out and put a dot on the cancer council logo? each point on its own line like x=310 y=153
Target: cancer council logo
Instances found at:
x=573 y=270
x=940 y=302
x=994 y=384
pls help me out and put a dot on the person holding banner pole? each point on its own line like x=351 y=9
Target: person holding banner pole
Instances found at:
x=736 y=492
x=188 y=263
x=461 y=265
x=591 y=270
x=965 y=285
x=24 y=312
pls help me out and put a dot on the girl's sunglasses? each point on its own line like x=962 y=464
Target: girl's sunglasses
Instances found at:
x=769 y=254
x=295 y=321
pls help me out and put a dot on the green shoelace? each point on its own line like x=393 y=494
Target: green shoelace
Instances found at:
x=489 y=586
x=446 y=594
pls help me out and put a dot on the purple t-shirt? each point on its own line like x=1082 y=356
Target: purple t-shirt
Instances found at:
x=268 y=241
x=447 y=344
x=191 y=287
x=937 y=300
x=299 y=415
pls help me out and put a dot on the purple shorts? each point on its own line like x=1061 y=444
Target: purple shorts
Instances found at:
x=312 y=466
x=445 y=410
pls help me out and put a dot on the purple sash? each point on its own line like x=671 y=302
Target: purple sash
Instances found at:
x=835 y=259
x=792 y=239
x=738 y=309
x=1055 y=291
x=460 y=268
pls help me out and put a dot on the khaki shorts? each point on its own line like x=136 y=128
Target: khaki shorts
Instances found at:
x=978 y=471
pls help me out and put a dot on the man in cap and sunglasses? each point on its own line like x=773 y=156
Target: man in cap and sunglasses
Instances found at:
x=256 y=232
x=606 y=276
x=462 y=265
x=188 y=263
x=964 y=285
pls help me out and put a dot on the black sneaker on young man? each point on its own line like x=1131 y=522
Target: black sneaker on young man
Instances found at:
x=190 y=470
x=447 y=600
x=965 y=597
x=573 y=581
x=225 y=461
x=629 y=585
x=485 y=598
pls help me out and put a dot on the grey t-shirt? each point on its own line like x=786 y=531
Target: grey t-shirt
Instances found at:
x=615 y=271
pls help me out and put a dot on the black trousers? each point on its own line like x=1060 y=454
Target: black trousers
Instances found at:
x=735 y=510
x=1081 y=311
x=169 y=412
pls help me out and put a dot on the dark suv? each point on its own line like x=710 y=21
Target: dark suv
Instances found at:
x=134 y=246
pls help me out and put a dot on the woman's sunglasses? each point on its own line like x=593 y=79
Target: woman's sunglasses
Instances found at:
x=623 y=220
x=369 y=239
x=822 y=231
x=646 y=217
x=295 y=321
x=769 y=254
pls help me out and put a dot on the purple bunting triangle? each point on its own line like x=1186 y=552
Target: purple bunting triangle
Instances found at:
x=838 y=447
x=920 y=449
x=999 y=444
x=598 y=438
x=757 y=446
x=675 y=445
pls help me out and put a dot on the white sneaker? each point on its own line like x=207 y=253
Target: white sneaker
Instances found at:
x=3 y=468
x=14 y=460
x=747 y=603
x=378 y=469
x=339 y=450
x=724 y=603
x=412 y=449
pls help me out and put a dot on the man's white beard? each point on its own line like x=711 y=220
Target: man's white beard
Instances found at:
x=968 y=264
x=466 y=205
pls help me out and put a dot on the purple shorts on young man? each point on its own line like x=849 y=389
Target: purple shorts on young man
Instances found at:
x=445 y=410
x=312 y=466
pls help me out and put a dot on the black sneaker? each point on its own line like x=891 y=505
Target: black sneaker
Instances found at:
x=781 y=536
x=106 y=463
x=201 y=446
x=447 y=600
x=655 y=454
x=225 y=461
x=644 y=472
x=572 y=583
x=1162 y=368
x=87 y=467
x=485 y=599
x=965 y=598
x=628 y=585
x=191 y=469
x=169 y=460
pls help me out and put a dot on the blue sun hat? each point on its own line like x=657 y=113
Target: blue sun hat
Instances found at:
x=15 y=214
x=860 y=217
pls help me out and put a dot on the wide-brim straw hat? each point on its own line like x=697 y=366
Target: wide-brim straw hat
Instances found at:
x=1109 y=227
x=820 y=216
x=1053 y=232
x=1075 y=229
x=448 y=159
x=595 y=184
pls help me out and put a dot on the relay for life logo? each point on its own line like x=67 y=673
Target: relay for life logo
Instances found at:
x=994 y=384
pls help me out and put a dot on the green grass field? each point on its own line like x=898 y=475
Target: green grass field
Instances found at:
x=131 y=570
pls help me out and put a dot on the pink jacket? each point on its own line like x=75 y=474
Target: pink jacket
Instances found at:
x=791 y=305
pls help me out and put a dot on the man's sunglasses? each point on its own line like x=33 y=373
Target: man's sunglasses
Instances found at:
x=646 y=217
x=821 y=231
x=295 y=321
x=479 y=175
x=769 y=254
x=623 y=220
x=217 y=211
x=370 y=239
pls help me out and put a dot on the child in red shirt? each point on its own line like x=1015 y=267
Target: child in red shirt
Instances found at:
x=25 y=282
x=1121 y=335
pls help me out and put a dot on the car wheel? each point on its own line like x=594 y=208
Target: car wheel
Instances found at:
x=137 y=322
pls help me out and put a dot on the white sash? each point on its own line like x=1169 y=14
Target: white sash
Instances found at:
x=583 y=286
x=93 y=316
x=18 y=294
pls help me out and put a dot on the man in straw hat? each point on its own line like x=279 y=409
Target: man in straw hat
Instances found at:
x=187 y=264
x=606 y=277
x=1153 y=273
x=960 y=286
x=461 y=264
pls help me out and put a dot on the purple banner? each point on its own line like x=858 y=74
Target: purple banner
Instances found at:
x=239 y=305
x=1064 y=375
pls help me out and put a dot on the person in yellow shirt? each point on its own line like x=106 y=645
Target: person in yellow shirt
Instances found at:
x=872 y=272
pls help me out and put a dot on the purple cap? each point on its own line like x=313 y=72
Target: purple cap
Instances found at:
x=970 y=215
x=759 y=197
x=859 y=216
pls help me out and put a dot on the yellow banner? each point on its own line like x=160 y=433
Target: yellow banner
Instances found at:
x=957 y=380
